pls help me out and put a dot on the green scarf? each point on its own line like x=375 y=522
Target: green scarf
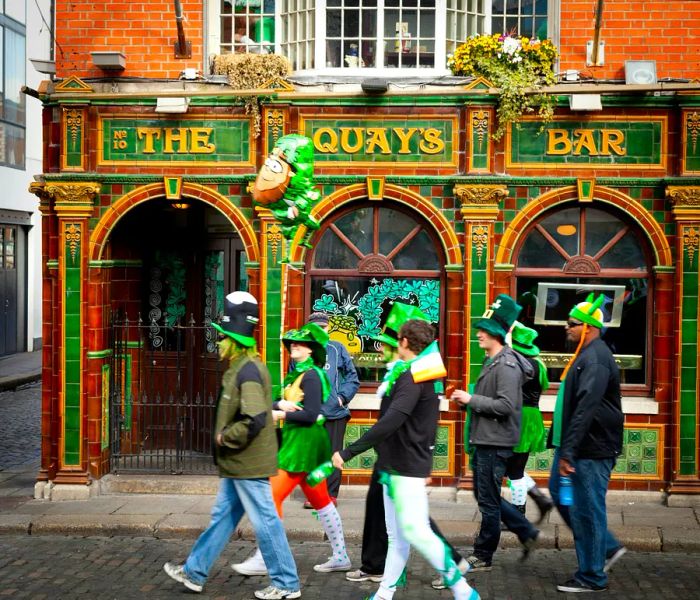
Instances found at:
x=303 y=367
x=544 y=380
x=556 y=419
x=399 y=368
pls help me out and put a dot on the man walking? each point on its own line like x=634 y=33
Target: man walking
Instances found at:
x=586 y=433
x=245 y=451
x=494 y=428
x=404 y=437
x=344 y=385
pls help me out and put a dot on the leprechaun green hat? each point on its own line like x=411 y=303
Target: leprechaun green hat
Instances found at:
x=298 y=152
x=589 y=311
x=240 y=317
x=398 y=315
x=522 y=338
x=313 y=336
x=499 y=318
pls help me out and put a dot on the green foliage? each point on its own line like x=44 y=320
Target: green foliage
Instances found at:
x=517 y=66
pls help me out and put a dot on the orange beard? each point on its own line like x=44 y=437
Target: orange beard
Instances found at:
x=270 y=186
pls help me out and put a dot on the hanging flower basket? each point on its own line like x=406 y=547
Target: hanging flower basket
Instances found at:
x=250 y=72
x=517 y=66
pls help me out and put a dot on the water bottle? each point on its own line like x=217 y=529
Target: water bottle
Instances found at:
x=566 y=491
x=320 y=473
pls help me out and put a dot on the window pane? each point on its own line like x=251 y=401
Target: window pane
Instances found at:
x=359 y=228
x=601 y=227
x=394 y=226
x=9 y=247
x=332 y=253
x=538 y=252
x=627 y=342
x=12 y=145
x=247 y=26
x=14 y=99
x=358 y=307
x=625 y=254
x=563 y=226
x=418 y=254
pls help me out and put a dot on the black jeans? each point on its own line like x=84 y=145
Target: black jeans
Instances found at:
x=336 y=433
x=374 y=538
x=489 y=467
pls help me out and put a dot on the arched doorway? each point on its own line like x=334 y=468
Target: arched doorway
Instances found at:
x=172 y=262
x=367 y=255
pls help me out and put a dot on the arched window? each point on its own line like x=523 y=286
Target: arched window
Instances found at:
x=571 y=252
x=366 y=257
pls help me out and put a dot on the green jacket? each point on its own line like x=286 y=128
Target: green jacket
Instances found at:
x=244 y=418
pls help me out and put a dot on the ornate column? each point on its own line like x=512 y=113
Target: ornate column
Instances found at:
x=72 y=206
x=480 y=210
x=685 y=475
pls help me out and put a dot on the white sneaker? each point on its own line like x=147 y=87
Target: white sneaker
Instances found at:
x=252 y=566
x=177 y=572
x=274 y=593
x=333 y=564
x=613 y=558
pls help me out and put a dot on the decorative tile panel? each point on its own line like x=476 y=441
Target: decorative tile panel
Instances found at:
x=642 y=455
x=480 y=121
x=443 y=455
x=691 y=143
x=73 y=151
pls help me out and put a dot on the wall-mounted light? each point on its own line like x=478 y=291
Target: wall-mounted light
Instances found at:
x=640 y=72
x=172 y=105
x=585 y=102
x=109 y=60
x=376 y=85
x=47 y=67
x=180 y=204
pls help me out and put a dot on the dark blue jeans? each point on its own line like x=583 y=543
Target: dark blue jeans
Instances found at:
x=489 y=468
x=588 y=517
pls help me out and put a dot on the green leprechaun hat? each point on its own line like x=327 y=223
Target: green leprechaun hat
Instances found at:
x=398 y=315
x=522 y=338
x=312 y=335
x=240 y=317
x=589 y=311
x=498 y=319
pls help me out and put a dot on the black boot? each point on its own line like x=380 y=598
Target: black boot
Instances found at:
x=543 y=503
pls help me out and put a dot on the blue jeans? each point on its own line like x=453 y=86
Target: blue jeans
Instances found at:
x=489 y=468
x=588 y=517
x=254 y=498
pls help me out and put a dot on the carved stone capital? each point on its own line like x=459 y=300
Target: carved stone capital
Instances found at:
x=39 y=190
x=685 y=201
x=480 y=201
x=73 y=198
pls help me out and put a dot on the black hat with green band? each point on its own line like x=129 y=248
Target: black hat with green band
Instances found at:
x=240 y=317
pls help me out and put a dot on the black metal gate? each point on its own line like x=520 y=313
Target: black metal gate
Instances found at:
x=164 y=382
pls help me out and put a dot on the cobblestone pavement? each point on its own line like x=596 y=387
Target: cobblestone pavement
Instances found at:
x=54 y=567
x=20 y=426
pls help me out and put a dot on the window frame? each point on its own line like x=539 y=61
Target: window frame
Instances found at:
x=553 y=274
x=311 y=273
x=313 y=48
x=7 y=24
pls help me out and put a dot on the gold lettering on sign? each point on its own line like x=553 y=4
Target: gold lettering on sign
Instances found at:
x=377 y=140
x=176 y=140
x=404 y=136
x=563 y=141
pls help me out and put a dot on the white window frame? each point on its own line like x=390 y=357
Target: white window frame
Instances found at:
x=318 y=37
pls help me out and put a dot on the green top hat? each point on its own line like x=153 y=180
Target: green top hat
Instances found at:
x=240 y=318
x=398 y=315
x=522 y=338
x=498 y=319
x=312 y=335
x=589 y=311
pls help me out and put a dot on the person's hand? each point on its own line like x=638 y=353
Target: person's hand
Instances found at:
x=428 y=480
x=461 y=397
x=219 y=439
x=288 y=406
x=565 y=467
x=337 y=460
x=340 y=402
x=278 y=415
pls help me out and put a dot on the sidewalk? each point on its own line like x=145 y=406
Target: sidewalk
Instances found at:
x=18 y=369
x=178 y=507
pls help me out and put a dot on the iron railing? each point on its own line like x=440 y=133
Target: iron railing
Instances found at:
x=164 y=383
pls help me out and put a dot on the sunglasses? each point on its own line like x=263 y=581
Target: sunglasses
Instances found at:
x=571 y=324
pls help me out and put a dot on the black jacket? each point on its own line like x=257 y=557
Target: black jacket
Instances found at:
x=592 y=419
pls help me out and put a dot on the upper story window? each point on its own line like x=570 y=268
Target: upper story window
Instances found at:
x=357 y=36
x=12 y=78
